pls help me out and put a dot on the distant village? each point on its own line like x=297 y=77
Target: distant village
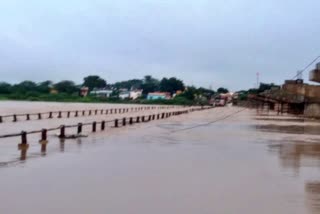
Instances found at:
x=219 y=99
x=95 y=88
x=124 y=93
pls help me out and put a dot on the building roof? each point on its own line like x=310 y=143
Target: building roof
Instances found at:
x=159 y=93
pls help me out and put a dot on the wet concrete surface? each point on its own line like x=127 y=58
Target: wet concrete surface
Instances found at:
x=192 y=163
x=294 y=129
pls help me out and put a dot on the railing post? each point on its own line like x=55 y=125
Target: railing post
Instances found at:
x=96 y=112
x=158 y=116
x=68 y=114
x=94 y=126
x=89 y=112
x=14 y=118
x=60 y=114
x=43 y=141
x=130 y=121
x=103 y=124
x=107 y=111
x=124 y=121
x=79 y=129
x=83 y=112
x=44 y=134
x=50 y=115
x=28 y=116
x=1 y=119
x=23 y=146
x=150 y=117
x=62 y=132
x=138 y=119
x=142 y=118
x=116 y=123
x=76 y=114
x=39 y=116
x=101 y=111
x=153 y=117
x=24 y=137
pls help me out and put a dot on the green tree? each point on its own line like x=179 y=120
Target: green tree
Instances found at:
x=222 y=90
x=207 y=93
x=129 y=84
x=44 y=87
x=171 y=85
x=24 y=87
x=149 y=84
x=66 y=86
x=5 y=88
x=94 y=81
x=266 y=86
x=189 y=93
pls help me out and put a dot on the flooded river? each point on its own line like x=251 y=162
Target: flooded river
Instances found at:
x=222 y=160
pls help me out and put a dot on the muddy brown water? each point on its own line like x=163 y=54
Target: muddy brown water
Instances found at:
x=184 y=164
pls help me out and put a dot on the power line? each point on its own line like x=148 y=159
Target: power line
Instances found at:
x=211 y=122
x=305 y=68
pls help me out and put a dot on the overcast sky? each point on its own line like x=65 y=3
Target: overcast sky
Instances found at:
x=204 y=42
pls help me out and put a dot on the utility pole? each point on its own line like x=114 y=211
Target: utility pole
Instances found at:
x=258 y=79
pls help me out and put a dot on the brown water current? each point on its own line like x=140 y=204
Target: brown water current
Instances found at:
x=193 y=163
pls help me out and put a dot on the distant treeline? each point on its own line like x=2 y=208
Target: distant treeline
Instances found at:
x=67 y=90
x=243 y=95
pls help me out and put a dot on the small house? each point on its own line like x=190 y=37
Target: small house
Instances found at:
x=101 y=92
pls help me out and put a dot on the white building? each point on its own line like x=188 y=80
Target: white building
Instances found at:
x=135 y=94
x=124 y=95
x=101 y=92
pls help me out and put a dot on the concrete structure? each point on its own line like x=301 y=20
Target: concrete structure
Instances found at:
x=314 y=75
x=295 y=96
x=159 y=96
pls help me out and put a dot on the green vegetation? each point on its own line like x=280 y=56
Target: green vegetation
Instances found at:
x=129 y=84
x=222 y=90
x=150 y=84
x=94 y=81
x=68 y=91
x=243 y=95
x=171 y=85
